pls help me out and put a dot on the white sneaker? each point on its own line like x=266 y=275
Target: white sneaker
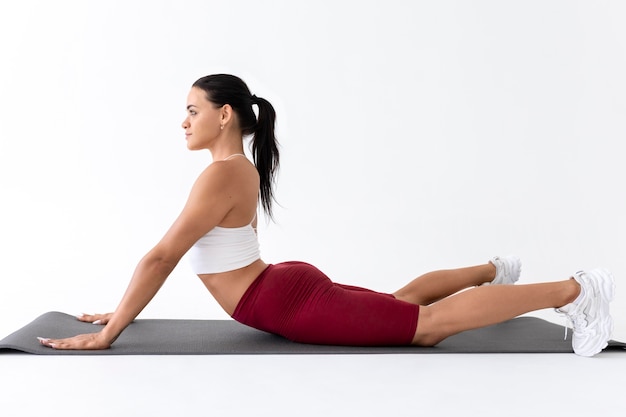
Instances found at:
x=589 y=315
x=508 y=270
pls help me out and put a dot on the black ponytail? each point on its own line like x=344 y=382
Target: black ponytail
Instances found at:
x=265 y=152
x=224 y=89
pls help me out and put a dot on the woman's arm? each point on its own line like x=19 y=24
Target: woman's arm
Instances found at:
x=149 y=276
x=212 y=197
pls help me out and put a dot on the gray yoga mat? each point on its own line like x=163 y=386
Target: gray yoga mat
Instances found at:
x=225 y=337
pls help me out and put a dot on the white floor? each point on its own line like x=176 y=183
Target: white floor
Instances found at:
x=343 y=385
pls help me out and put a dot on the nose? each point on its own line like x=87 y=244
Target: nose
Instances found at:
x=185 y=123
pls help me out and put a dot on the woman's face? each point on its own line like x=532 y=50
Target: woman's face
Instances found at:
x=203 y=122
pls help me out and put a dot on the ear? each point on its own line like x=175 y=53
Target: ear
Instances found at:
x=226 y=114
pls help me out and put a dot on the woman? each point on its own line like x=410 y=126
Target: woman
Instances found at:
x=294 y=299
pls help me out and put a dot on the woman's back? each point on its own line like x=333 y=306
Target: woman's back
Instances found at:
x=227 y=257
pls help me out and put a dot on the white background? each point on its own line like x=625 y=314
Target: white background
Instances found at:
x=414 y=136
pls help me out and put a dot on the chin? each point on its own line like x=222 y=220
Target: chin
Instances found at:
x=195 y=148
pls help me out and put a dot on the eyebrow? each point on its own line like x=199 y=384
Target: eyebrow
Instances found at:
x=190 y=106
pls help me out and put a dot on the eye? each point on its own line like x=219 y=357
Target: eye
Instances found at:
x=192 y=112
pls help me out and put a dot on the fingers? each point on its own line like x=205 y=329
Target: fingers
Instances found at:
x=87 y=318
x=95 y=318
x=60 y=344
x=80 y=342
x=51 y=343
x=47 y=342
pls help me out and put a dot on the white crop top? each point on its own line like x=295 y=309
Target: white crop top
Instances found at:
x=224 y=249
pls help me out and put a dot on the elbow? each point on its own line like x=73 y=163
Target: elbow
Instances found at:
x=161 y=262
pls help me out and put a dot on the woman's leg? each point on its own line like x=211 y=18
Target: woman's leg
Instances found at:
x=433 y=286
x=487 y=305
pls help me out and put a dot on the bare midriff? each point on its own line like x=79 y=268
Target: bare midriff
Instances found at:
x=228 y=287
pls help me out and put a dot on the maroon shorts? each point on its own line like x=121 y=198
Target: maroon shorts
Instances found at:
x=297 y=301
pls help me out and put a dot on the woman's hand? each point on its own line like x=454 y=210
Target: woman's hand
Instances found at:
x=95 y=318
x=91 y=341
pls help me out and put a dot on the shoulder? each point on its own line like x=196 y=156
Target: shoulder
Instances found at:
x=225 y=176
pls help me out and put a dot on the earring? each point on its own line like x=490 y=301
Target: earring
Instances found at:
x=221 y=127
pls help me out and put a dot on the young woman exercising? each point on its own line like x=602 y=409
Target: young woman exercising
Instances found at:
x=295 y=299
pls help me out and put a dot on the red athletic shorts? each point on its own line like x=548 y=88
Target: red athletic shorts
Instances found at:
x=297 y=301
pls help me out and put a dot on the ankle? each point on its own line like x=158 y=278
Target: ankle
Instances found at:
x=572 y=291
x=490 y=272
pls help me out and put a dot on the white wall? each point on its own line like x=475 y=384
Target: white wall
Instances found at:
x=415 y=136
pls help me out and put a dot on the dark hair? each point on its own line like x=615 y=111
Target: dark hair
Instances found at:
x=224 y=89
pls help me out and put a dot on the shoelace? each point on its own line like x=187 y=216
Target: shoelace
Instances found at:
x=567 y=320
x=577 y=320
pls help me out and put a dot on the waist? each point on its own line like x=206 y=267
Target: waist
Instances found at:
x=229 y=287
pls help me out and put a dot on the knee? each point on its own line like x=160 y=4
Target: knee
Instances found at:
x=426 y=339
x=427 y=332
